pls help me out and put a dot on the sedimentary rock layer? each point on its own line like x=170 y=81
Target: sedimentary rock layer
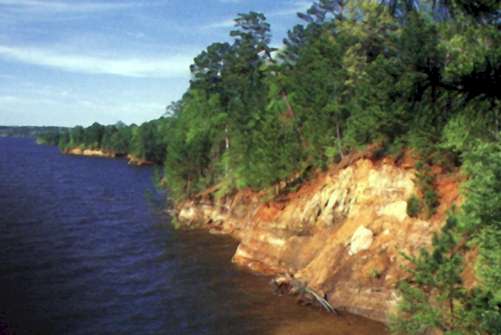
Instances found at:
x=342 y=233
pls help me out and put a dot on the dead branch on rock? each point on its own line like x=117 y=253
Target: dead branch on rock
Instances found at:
x=287 y=284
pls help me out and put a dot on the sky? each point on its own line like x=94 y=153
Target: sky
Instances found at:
x=74 y=62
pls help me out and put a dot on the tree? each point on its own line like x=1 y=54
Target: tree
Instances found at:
x=433 y=295
x=482 y=211
x=253 y=30
x=323 y=11
x=485 y=11
x=93 y=136
x=148 y=141
x=244 y=82
x=401 y=8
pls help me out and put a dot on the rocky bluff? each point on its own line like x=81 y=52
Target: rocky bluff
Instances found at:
x=342 y=233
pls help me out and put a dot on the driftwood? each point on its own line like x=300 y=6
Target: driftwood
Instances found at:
x=287 y=284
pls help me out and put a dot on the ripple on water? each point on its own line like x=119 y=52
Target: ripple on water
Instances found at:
x=86 y=249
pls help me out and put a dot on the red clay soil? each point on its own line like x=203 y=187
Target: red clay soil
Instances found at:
x=311 y=232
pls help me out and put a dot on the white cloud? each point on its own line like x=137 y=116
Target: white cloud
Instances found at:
x=8 y=99
x=176 y=66
x=292 y=9
x=64 y=6
x=228 y=23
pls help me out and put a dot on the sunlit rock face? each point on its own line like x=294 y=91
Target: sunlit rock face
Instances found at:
x=342 y=233
x=89 y=152
x=132 y=160
x=361 y=240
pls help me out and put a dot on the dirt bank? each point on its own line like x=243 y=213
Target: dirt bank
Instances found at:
x=90 y=152
x=132 y=160
x=342 y=233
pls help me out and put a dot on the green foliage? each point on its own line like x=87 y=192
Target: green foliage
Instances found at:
x=149 y=142
x=375 y=274
x=433 y=297
x=146 y=142
x=461 y=131
x=481 y=217
x=413 y=74
x=413 y=206
x=403 y=73
x=50 y=136
x=43 y=134
x=425 y=181
x=483 y=10
x=431 y=201
x=64 y=139
x=416 y=314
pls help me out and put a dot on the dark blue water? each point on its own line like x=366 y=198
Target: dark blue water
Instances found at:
x=86 y=248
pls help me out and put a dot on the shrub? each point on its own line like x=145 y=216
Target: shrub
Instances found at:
x=425 y=182
x=431 y=201
x=413 y=206
x=376 y=274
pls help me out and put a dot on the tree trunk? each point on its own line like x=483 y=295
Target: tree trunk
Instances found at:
x=226 y=138
x=290 y=110
x=227 y=147
x=338 y=135
x=496 y=121
x=451 y=310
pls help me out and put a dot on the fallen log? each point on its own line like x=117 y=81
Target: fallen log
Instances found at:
x=287 y=284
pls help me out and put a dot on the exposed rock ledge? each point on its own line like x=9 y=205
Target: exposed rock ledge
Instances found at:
x=89 y=152
x=341 y=234
x=133 y=160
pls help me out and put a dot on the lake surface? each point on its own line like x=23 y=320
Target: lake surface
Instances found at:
x=86 y=248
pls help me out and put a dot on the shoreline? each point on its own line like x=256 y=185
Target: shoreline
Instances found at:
x=341 y=234
x=131 y=159
x=240 y=258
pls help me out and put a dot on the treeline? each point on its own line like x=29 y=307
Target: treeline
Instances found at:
x=423 y=75
x=145 y=142
x=27 y=131
x=420 y=75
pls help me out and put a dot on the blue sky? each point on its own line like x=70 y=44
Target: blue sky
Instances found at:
x=69 y=62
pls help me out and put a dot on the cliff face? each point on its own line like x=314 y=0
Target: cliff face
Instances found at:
x=89 y=152
x=133 y=160
x=341 y=233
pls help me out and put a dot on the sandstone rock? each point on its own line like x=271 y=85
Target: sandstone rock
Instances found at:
x=90 y=152
x=361 y=240
x=396 y=209
x=308 y=232
x=133 y=160
x=188 y=215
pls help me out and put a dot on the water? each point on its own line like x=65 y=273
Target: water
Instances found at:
x=85 y=248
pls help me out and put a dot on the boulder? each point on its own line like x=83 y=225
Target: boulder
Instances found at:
x=361 y=240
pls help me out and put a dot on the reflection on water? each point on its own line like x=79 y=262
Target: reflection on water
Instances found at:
x=87 y=249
